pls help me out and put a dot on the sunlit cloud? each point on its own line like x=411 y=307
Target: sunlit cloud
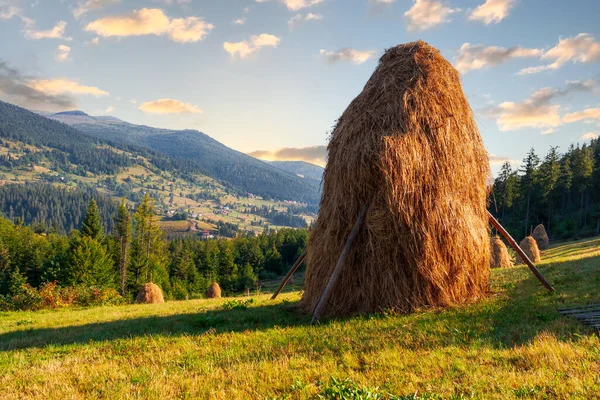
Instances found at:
x=499 y=160
x=295 y=5
x=473 y=57
x=492 y=11
x=315 y=154
x=8 y=10
x=84 y=7
x=299 y=19
x=58 y=32
x=590 y=135
x=425 y=14
x=62 y=53
x=240 y=21
x=169 y=106
x=348 y=54
x=151 y=21
x=62 y=86
x=245 y=48
x=587 y=115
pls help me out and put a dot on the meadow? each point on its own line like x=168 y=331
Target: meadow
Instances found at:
x=512 y=344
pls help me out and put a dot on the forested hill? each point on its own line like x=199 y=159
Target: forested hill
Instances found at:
x=235 y=170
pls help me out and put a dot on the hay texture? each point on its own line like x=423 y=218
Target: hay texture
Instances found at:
x=541 y=237
x=531 y=250
x=150 y=294
x=213 y=291
x=407 y=144
x=500 y=257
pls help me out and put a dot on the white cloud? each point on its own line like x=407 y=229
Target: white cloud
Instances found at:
x=62 y=86
x=240 y=21
x=499 y=160
x=109 y=110
x=548 y=131
x=169 y=106
x=472 y=57
x=152 y=21
x=314 y=154
x=95 y=41
x=244 y=48
x=492 y=11
x=348 y=54
x=8 y=10
x=582 y=48
x=295 y=5
x=58 y=32
x=425 y=14
x=587 y=115
x=62 y=53
x=299 y=19
x=84 y=7
x=590 y=135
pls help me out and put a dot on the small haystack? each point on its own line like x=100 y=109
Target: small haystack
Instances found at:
x=150 y=294
x=213 y=291
x=541 y=237
x=531 y=250
x=408 y=146
x=500 y=257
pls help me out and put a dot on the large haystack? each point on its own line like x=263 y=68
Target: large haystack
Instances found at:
x=531 y=250
x=213 y=291
x=409 y=145
x=541 y=237
x=500 y=257
x=150 y=294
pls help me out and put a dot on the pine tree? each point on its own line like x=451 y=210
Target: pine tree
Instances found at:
x=528 y=180
x=123 y=231
x=91 y=264
x=91 y=225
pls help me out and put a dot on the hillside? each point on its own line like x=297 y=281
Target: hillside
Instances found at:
x=513 y=344
x=300 y=168
x=232 y=168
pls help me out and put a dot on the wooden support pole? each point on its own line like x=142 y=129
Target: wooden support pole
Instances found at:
x=335 y=276
x=289 y=274
x=520 y=252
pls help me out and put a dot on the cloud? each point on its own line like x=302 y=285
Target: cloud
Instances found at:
x=240 y=21
x=348 y=54
x=151 y=21
x=244 y=48
x=58 y=32
x=62 y=53
x=492 y=11
x=587 y=115
x=169 y=106
x=95 y=41
x=14 y=87
x=62 y=86
x=582 y=48
x=109 y=110
x=84 y=7
x=425 y=14
x=314 y=154
x=8 y=10
x=590 y=135
x=295 y=5
x=537 y=111
x=499 y=160
x=472 y=57
x=548 y=131
x=299 y=19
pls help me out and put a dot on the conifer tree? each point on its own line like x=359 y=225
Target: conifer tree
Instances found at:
x=123 y=231
x=91 y=225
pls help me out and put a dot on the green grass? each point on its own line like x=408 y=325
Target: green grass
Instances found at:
x=512 y=344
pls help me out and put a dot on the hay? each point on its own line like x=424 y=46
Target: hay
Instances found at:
x=150 y=294
x=500 y=257
x=409 y=144
x=213 y=291
x=541 y=237
x=531 y=250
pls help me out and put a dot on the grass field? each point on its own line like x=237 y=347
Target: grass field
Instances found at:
x=512 y=344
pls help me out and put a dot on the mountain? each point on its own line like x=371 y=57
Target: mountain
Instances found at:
x=300 y=168
x=235 y=170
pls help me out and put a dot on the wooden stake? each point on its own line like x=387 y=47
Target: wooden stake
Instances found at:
x=335 y=276
x=520 y=252
x=289 y=274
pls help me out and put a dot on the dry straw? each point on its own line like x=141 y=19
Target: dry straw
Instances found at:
x=531 y=250
x=213 y=291
x=500 y=257
x=150 y=294
x=409 y=145
x=541 y=237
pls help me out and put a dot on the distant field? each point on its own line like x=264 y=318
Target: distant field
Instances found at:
x=513 y=344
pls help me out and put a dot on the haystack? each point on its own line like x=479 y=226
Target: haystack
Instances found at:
x=541 y=237
x=213 y=291
x=500 y=257
x=150 y=294
x=407 y=145
x=531 y=250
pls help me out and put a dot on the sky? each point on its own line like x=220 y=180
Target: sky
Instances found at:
x=270 y=77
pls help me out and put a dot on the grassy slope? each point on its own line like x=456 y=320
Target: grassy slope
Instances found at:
x=510 y=345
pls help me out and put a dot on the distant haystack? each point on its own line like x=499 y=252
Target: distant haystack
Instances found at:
x=541 y=237
x=409 y=146
x=500 y=257
x=150 y=294
x=531 y=250
x=214 y=291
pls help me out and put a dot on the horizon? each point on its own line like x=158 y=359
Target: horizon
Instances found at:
x=529 y=70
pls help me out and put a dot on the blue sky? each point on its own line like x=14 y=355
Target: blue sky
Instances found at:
x=274 y=75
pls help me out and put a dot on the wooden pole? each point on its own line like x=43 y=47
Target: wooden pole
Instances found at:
x=520 y=252
x=335 y=276
x=289 y=274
